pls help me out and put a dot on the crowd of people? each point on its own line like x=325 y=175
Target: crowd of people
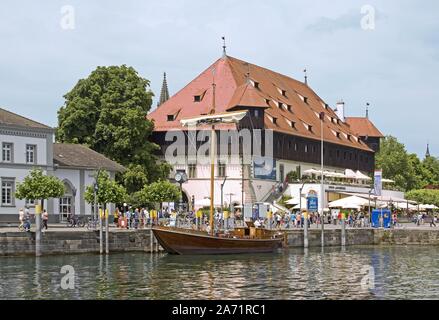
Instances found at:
x=134 y=218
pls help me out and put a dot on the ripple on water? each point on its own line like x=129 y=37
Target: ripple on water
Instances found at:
x=334 y=273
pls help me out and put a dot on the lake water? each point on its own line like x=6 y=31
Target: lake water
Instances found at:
x=410 y=272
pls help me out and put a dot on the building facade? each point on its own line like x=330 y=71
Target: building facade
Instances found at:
x=285 y=118
x=27 y=144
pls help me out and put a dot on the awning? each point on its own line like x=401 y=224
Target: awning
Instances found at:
x=349 y=202
x=362 y=176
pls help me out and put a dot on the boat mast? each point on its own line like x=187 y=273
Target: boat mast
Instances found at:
x=212 y=160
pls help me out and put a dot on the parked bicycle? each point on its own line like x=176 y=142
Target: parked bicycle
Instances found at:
x=92 y=224
x=75 y=221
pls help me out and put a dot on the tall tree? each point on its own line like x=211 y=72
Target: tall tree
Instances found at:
x=107 y=111
x=394 y=161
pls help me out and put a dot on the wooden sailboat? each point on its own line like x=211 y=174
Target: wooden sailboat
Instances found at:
x=240 y=240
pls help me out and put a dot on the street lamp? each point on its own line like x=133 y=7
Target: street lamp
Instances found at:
x=322 y=188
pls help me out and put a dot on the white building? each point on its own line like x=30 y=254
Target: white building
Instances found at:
x=26 y=144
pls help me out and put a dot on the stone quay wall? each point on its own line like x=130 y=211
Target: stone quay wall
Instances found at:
x=73 y=242
x=365 y=237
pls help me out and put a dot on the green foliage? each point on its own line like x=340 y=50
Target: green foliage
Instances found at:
x=283 y=200
x=107 y=112
x=109 y=191
x=134 y=178
x=406 y=169
x=293 y=176
x=38 y=186
x=425 y=196
x=158 y=192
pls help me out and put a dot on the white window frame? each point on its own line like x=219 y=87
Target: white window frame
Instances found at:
x=32 y=152
x=10 y=150
x=11 y=189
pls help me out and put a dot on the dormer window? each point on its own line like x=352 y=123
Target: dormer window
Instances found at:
x=267 y=101
x=254 y=84
x=309 y=128
x=289 y=108
x=305 y=99
x=274 y=120
x=349 y=137
x=198 y=96
x=171 y=117
x=280 y=105
x=337 y=134
x=284 y=93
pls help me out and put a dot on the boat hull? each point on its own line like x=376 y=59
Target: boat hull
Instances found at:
x=176 y=241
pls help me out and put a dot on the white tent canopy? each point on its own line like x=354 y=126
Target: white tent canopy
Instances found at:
x=295 y=201
x=349 y=202
x=362 y=176
x=204 y=203
x=350 y=174
x=387 y=180
x=427 y=206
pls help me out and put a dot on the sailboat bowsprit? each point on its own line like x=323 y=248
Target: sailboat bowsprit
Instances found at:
x=239 y=240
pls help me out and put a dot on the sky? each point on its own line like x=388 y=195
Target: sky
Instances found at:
x=385 y=53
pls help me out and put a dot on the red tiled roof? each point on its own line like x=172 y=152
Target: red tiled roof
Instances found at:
x=233 y=88
x=363 y=127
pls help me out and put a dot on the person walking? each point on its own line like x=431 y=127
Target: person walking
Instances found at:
x=433 y=221
x=45 y=218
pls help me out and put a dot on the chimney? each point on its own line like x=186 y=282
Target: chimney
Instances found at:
x=339 y=110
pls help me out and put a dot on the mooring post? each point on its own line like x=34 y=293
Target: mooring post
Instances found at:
x=343 y=231
x=101 y=231
x=151 y=244
x=38 y=232
x=107 y=245
x=305 y=231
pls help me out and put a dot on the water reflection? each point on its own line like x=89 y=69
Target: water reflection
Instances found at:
x=314 y=273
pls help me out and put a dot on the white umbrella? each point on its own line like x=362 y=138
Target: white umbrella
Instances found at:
x=311 y=171
x=295 y=201
x=204 y=203
x=349 y=201
x=387 y=180
x=428 y=206
x=350 y=174
x=362 y=176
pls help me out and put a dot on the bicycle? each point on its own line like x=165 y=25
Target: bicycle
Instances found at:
x=75 y=221
x=92 y=224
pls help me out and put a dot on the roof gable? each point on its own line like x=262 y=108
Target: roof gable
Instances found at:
x=80 y=156
x=284 y=98
x=10 y=118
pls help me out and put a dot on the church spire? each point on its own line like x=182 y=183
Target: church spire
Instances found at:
x=164 y=93
x=427 y=154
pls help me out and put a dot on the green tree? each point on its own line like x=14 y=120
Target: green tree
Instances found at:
x=393 y=160
x=424 y=196
x=38 y=186
x=431 y=170
x=158 y=192
x=107 y=112
x=109 y=191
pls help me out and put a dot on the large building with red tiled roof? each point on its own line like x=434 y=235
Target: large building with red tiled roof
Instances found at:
x=273 y=101
x=366 y=130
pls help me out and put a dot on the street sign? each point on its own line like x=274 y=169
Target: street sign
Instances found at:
x=312 y=201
